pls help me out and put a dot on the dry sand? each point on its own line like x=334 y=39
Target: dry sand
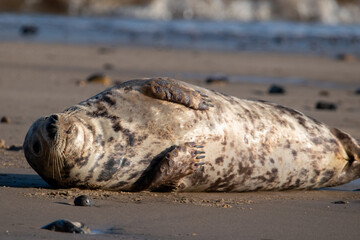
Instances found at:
x=37 y=79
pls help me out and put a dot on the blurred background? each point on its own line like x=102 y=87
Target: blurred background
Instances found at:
x=325 y=27
x=326 y=11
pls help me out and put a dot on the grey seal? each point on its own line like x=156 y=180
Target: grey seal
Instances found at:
x=161 y=134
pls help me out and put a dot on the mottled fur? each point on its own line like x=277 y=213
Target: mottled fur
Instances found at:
x=163 y=134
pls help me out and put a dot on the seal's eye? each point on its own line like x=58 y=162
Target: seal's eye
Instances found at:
x=37 y=147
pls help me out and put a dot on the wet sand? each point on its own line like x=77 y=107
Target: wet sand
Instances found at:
x=38 y=79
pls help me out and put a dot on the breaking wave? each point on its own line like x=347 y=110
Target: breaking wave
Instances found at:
x=323 y=11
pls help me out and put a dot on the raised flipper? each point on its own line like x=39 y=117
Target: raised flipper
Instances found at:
x=351 y=146
x=173 y=91
x=165 y=172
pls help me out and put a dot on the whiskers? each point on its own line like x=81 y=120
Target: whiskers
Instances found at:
x=57 y=159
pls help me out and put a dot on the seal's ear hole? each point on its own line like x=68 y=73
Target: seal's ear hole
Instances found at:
x=36 y=147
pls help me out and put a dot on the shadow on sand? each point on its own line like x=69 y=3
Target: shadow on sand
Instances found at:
x=22 y=181
x=35 y=181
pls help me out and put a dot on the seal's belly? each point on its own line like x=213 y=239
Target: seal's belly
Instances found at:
x=249 y=146
x=259 y=147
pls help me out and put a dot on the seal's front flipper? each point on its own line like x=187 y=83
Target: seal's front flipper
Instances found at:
x=173 y=91
x=351 y=146
x=352 y=149
x=164 y=174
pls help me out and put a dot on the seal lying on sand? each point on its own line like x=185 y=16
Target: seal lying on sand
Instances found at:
x=161 y=134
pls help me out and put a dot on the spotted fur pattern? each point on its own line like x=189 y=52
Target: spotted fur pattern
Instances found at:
x=121 y=139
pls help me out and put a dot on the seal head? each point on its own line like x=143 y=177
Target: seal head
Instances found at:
x=52 y=144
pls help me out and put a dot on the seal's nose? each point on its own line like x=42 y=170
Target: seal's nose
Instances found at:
x=51 y=126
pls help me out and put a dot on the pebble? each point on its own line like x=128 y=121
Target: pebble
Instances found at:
x=325 y=106
x=83 y=200
x=108 y=66
x=324 y=93
x=15 y=148
x=357 y=91
x=64 y=225
x=28 y=30
x=2 y=143
x=104 y=50
x=340 y=202
x=217 y=80
x=118 y=82
x=99 y=78
x=5 y=120
x=81 y=83
x=346 y=57
x=276 y=89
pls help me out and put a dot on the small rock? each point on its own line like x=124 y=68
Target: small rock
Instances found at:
x=217 y=80
x=118 y=82
x=184 y=200
x=324 y=93
x=64 y=225
x=81 y=83
x=276 y=89
x=99 y=78
x=2 y=143
x=108 y=66
x=15 y=148
x=340 y=202
x=28 y=30
x=346 y=57
x=104 y=50
x=226 y=206
x=83 y=200
x=357 y=91
x=5 y=119
x=258 y=92
x=325 y=106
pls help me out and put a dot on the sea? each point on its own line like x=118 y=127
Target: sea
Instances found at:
x=320 y=27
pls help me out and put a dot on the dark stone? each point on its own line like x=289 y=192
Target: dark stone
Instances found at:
x=28 y=30
x=217 y=80
x=278 y=40
x=99 y=78
x=324 y=93
x=83 y=200
x=325 y=106
x=108 y=66
x=276 y=89
x=64 y=225
x=340 y=202
x=346 y=57
x=5 y=120
x=15 y=148
x=105 y=50
x=357 y=91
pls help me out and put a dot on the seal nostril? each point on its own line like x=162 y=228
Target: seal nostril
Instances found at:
x=52 y=129
x=55 y=117
x=37 y=147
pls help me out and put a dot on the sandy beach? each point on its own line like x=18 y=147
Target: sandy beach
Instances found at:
x=38 y=79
